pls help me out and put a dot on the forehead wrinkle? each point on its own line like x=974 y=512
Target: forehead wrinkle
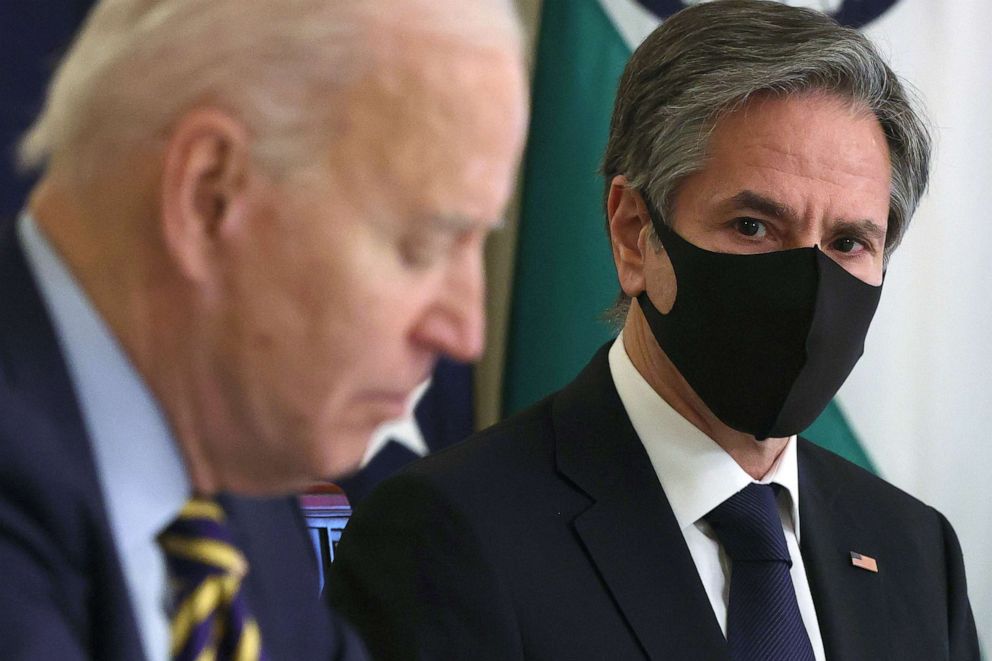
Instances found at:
x=823 y=173
x=827 y=166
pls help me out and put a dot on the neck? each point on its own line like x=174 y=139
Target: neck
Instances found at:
x=112 y=253
x=755 y=457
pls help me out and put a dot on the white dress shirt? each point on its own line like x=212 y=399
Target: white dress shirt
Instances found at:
x=697 y=475
x=141 y=473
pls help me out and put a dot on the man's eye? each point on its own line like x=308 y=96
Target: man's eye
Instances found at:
x=425 y=250
x=848 y=245
x=417 y=254
x=750 y=227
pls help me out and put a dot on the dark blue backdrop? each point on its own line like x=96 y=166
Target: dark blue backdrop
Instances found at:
x=33 y=35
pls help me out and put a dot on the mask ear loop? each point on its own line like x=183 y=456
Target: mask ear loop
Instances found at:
x=665 y=233
x=676 y=247
x=661 y=229
x=669 y=239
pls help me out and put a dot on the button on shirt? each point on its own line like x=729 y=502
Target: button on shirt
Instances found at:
x=141 y=472
x=697 y=475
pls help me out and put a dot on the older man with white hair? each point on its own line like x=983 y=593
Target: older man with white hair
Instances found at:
x=257 y=227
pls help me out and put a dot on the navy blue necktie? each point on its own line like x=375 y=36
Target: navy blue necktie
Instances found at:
x=763 y=619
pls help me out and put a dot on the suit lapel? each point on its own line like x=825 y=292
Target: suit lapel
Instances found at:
x=31 y=362
x=33 y=371
x=849 y=601
x=630 y=531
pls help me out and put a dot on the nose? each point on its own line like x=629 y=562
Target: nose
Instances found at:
x=804 y=237
x=455 y=322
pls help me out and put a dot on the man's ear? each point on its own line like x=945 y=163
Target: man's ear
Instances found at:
x=630 y=227
x=205 y=181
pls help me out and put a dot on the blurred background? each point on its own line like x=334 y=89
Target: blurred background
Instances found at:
x=918 y=407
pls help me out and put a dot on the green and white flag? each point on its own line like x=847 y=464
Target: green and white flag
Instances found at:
x=918 y=405
x=564 y=276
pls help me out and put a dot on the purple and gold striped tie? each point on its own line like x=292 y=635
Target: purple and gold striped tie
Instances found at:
x=210 y=620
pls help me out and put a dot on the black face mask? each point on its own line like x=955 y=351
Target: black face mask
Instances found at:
x=765 y=340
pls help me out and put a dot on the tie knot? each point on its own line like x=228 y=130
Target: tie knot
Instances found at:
x=199 y=541
x=749 y=526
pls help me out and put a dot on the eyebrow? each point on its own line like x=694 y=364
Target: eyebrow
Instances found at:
x=863 y=228
x=748 y=199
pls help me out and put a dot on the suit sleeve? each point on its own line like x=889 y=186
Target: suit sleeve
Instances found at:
x=962 y=634
x=34 y=625
x=414 y=577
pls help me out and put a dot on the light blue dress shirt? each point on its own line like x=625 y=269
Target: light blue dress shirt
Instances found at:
x=141 y=472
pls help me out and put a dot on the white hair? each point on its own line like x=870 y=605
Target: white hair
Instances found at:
x=137 y=65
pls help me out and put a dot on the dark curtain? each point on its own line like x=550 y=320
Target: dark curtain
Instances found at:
x=33 y=36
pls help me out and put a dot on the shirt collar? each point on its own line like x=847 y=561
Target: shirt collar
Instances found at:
x=695 y=473
x=142 y=474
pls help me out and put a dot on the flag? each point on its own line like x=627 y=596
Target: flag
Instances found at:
x=917 y=407
x=864 y=562
x=564 y=276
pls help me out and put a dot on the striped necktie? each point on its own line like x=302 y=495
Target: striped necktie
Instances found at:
x=209 y=617
x=763 y=618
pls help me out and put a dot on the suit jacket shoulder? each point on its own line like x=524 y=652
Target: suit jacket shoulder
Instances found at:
x=528 y=540
x=916 y=605
x=419 y=570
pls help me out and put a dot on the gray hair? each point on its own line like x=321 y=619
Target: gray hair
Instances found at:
x=708 y=60
x=137 y=65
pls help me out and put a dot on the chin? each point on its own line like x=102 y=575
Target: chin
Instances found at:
x=342 y=454
x=338 y=470
x=268 y=486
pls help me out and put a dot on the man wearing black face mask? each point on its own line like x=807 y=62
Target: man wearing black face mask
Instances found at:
x=763 y=164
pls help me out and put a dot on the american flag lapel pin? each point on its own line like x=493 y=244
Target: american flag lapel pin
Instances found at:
x=865 y=562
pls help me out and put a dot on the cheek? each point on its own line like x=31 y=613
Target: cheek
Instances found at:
x=865 y=267
x=351 y=340
x=296 y=324
x=875 y=273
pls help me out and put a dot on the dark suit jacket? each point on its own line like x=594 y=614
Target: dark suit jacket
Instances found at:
x=549 y=536
x=62 y=591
